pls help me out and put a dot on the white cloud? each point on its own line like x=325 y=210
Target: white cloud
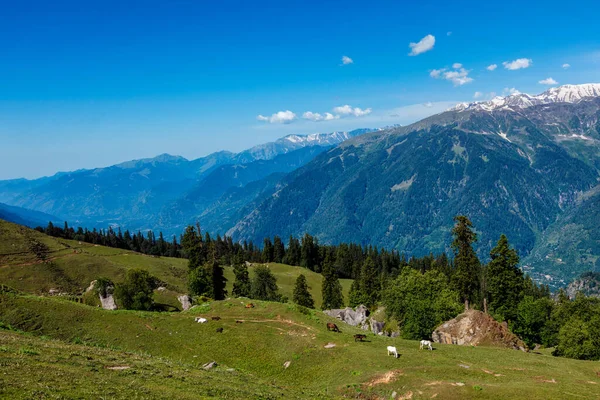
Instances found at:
x=311 y=116
x=281 y=117
x=422 y=45
x=566 y=66
x=458 y=76
x=510 y=92
x=518 y=64
x=492 y=67
x=548 y=81
x=347 y=60
x=477 y=95
x=428 y=104
x=348 y=110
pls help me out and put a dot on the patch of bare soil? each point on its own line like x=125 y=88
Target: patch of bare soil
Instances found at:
x=388 y=377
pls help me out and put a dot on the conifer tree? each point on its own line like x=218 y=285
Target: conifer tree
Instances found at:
x=278 y=250
x=504 y=281
x=332 y=289
x=467 y=266
x=302 y=296
x=293 y=253
x=241 y=285
x=264 y=285
x=218 y=281
x=267 y=253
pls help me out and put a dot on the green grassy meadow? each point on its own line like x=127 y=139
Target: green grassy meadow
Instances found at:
x=53 y=348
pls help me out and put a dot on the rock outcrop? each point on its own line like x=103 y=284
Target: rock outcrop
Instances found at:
x=186 y=302
x=106 y=296
x=476 y=328
x=350 y=316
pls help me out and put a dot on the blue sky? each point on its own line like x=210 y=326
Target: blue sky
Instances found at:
x=90 y=84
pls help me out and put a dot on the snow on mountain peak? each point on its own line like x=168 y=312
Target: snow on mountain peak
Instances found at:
x=561 y=94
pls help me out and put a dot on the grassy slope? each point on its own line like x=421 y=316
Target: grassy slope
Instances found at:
x=274 y=333
x=73 y=266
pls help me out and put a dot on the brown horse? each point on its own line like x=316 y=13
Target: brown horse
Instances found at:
x=219 y=330
x=359 y=337
x=332 y=327
x=249 y=305
x=216 y=318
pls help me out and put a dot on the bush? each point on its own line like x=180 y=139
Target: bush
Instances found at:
x=136 y=292
x=264 y=285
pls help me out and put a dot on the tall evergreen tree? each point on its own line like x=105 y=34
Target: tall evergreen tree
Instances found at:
x=278 y=250
x=332 y=289
x=309 y=253
x=264 y=285
x=467 y=273
x=370 y=287
x=267 y=253
x=241 y=285
x=293 y=253
x=504 y=281
x=218 y=281
x=302 y=296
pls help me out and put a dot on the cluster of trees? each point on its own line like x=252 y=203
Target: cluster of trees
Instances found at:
x=145 y=244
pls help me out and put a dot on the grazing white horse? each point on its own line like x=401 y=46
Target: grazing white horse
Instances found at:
x=425 y=343
x=200 y=320
x=392 y=350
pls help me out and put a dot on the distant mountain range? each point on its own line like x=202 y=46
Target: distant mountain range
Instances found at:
x=165 y=192
x=526 y=166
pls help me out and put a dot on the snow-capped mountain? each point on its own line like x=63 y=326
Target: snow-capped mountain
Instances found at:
x=294 y=142
x=561 y=94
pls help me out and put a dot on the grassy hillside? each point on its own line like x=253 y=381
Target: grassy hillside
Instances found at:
x=35 y=263
x=160 y=346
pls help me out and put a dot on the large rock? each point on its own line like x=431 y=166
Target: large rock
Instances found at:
x=107 y=299
x=352 y=317
x=186 y=302
x=476 y=328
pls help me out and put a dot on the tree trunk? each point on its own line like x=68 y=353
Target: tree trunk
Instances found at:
x=485 y=305
x=466 y=304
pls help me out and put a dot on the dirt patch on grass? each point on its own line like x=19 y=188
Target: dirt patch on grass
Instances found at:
x=386 y=378
x=118 y=367
x=543 y=379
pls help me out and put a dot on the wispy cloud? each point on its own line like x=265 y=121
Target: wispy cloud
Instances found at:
x=492 y=67
x=520 y=63
x=347 y=60
x=548 y=81
x=458 y=75
x=422 y=45
x=477 y=95
x=510 y=92
x=347 y=110
x=281 y=117
x=566 y=66
x=316 y=117
x=428 y=104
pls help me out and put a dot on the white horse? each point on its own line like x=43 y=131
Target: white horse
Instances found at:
x=392 y=350
x=200 y=320
x=425 y=343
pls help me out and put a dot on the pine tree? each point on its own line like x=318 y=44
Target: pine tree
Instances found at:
x=355 y=297
x=302 y=296
x=370 y=287
x=267 y=253
x=241 y=285
x=504 y=281
x=278 y=250
x=332 y=289
x=293 y=253
x=264 y=285
x=218 y=281
x=467 y=266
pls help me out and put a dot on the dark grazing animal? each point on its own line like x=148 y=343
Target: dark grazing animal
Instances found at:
x=359 y=337
x=216 y=318
x=332 y=327
x=238 y=321
x=219 y=330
